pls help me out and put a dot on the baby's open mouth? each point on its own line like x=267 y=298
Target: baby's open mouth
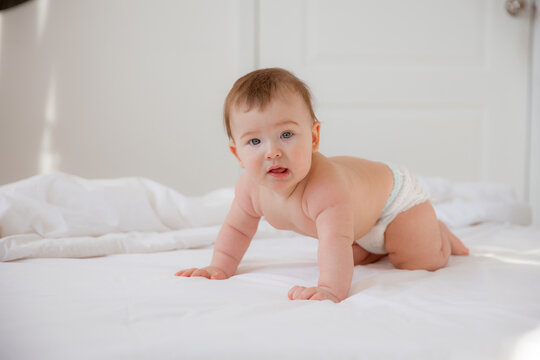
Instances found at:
x=278 y=172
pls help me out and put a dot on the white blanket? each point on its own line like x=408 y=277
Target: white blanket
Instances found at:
x=60 y=215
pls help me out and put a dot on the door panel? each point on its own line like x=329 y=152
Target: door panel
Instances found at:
x=437 y=86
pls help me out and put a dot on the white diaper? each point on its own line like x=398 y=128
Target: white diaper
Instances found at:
x=406 y=193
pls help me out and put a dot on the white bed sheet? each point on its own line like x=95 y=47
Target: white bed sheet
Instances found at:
x=130 y=306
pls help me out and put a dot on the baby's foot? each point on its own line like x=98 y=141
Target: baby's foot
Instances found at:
x=458 y=248
x=364 y=257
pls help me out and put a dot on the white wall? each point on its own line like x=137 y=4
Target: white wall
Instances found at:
x=112 y=88
x=534 y=156
x=121 y=88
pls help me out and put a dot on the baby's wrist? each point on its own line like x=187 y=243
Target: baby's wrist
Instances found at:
x=333 y=292
x=228 y=272
x=224 y=262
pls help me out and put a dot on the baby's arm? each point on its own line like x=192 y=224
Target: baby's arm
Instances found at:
x=335 y=255
x=333 y=217
x=233 y=239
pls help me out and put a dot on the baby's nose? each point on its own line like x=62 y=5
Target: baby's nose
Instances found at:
x=273 y=151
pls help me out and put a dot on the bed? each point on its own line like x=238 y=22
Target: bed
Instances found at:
x=87 y=272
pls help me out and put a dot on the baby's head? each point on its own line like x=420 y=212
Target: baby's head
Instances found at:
x=272 y=128
x=258 y=88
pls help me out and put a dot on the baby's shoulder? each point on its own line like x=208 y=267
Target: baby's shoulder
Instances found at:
x=329 y=185
x=327 y=176
x=333 y=174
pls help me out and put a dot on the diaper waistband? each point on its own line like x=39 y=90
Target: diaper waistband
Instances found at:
x=398 y=182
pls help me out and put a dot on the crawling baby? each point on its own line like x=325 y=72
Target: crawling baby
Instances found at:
x=359 y=210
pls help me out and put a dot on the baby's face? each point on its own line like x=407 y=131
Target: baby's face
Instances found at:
x=275 y=146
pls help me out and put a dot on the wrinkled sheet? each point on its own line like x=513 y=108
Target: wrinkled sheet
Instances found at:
x=61 y=215
x=130 y=306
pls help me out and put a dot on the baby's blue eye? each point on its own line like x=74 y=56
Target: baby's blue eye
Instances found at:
x=286 y=135
x=254 y=142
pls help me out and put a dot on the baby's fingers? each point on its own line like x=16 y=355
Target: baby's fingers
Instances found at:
x=323 y=295
x=193 y=272
x=208 y=272
x=294 y=290
x=186 y=272
x=201 y=272
x=301 y=293
x=307 y=293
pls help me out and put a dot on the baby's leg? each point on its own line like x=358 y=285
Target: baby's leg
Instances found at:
x=416 y=239
x=363 y=257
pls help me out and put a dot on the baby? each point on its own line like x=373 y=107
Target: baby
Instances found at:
x=359 y=210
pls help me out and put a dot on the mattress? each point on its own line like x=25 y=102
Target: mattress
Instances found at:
x=129 y=305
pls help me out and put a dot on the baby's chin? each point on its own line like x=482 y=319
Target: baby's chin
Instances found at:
x=283 y=182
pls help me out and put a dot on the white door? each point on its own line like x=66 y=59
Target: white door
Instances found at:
x=435 y=85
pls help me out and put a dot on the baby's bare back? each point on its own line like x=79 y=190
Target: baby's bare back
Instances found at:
x=361 y=185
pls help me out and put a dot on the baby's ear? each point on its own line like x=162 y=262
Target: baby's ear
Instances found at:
x=232 y=147
x=315 y=131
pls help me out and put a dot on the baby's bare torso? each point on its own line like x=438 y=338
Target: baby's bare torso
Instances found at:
x=367 y=185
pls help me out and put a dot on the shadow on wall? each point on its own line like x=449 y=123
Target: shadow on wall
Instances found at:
x=25 y=130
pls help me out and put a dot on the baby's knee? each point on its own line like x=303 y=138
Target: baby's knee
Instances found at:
x=411 y=265
x=437 y=263
x=429 y=262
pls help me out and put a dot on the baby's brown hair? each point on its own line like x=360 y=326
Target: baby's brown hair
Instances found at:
x=258 y=88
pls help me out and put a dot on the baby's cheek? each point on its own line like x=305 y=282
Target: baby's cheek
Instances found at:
x=302 y=160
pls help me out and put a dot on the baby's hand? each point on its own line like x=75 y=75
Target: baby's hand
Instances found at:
x=311 y=293
x=209 y=272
